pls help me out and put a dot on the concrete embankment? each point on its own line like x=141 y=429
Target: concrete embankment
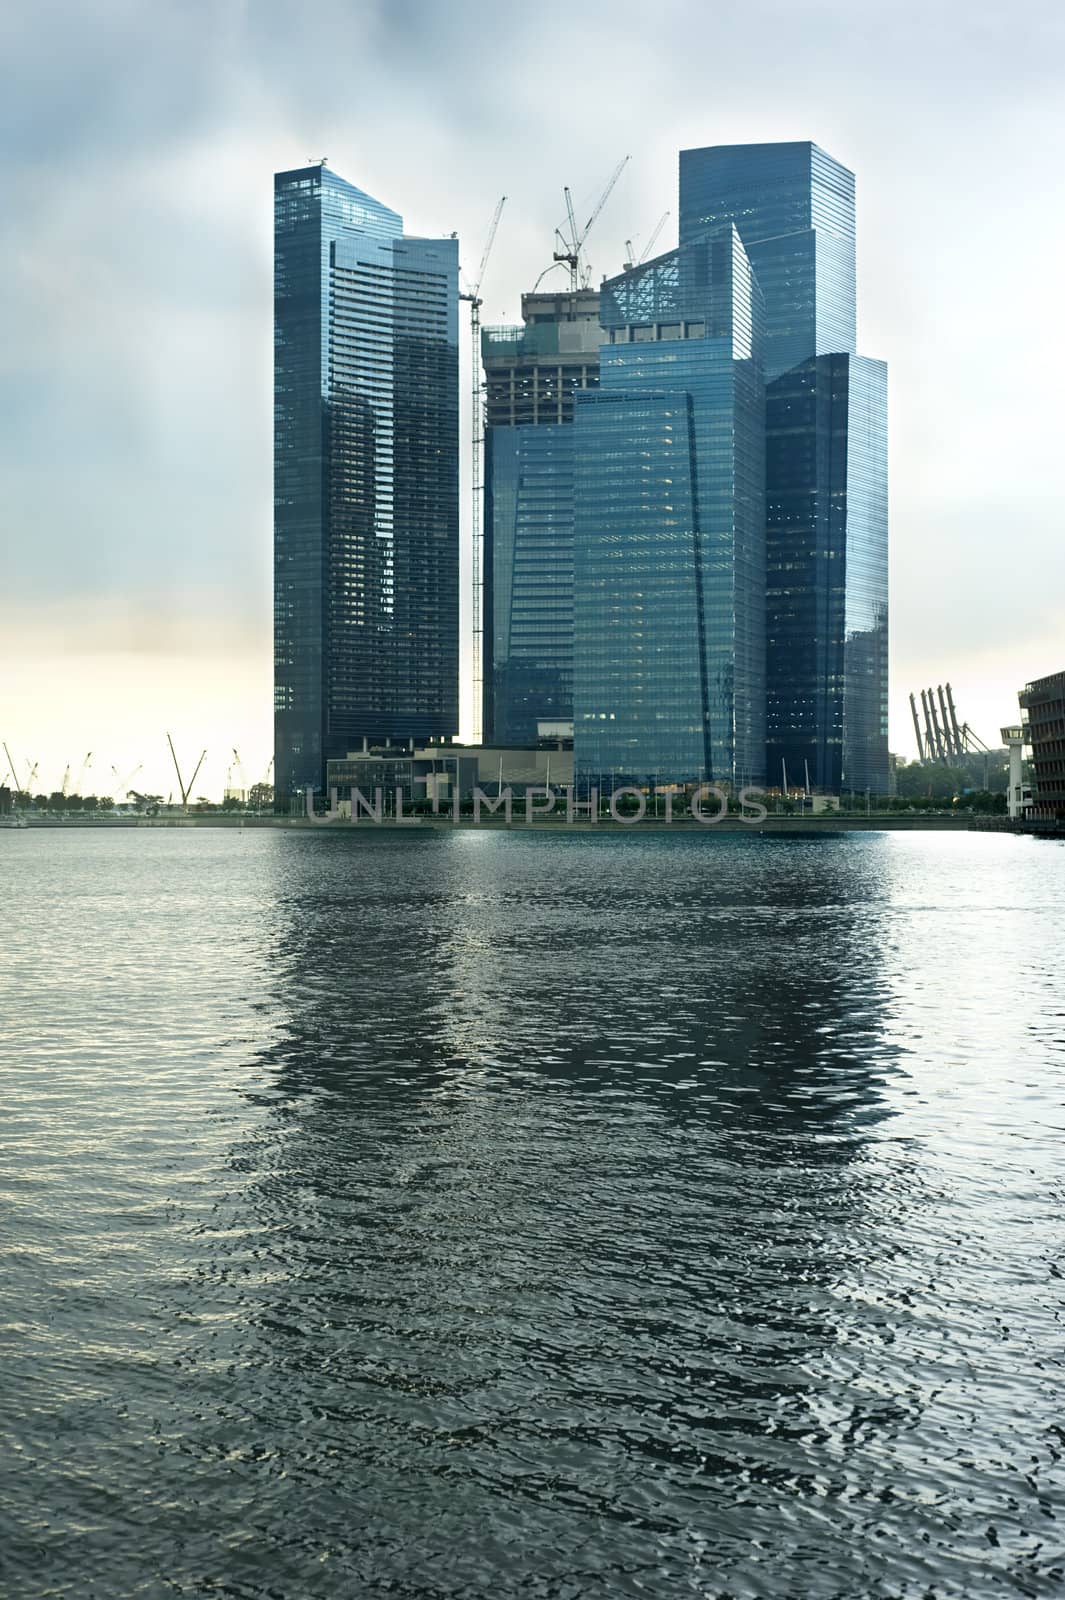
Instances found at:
x=889 y=822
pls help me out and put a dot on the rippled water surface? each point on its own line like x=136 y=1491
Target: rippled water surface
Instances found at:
x=532 y=1215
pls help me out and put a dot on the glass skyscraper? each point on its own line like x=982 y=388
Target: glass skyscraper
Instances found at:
x=793 y=207
x=826 y=560
x=826 y=459
x=366 y=511
x=533 y=374
x=669 y=541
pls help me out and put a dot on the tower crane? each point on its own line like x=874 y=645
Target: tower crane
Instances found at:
x=473 y=295
x=573 y=242
x=631 y=259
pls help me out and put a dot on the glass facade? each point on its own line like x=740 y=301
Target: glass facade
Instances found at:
x=793 y=206
x=826 y=576
x=366 y=512
x=533 y=374
x=529 y=579
x=826 y=458
x=669 y=529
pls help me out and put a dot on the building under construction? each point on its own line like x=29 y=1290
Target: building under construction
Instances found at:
x=532 y=373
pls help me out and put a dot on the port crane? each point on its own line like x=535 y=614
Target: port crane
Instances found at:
x=944 y=737
x=473 y=296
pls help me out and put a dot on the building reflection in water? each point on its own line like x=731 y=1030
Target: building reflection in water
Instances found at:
x=569 y=1174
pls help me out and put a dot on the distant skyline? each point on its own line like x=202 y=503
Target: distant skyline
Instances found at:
x=135 y=446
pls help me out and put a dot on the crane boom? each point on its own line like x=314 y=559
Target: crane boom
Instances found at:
x=603 y=198
x=646 y=251
x=917 y=728
x=959 y=742
x=574 y=240
x=11 y=764
x=177 y=769
x=476 y=486
x=192 y=780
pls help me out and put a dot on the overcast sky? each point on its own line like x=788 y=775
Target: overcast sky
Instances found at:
x=136 y=286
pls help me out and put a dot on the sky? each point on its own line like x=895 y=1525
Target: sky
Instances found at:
x=135 y=277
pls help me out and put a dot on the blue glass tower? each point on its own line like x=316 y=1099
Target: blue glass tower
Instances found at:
x=826 y=458
x=533 y=374
x=793 y=207
x=669 y=527
x=826 y=561
x=366 y=513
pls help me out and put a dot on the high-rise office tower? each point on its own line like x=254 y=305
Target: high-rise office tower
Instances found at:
x=793 y=207
x=826 y=466
x=532 y=374
x=366 y=511
x=826 y=561
x=669 y=544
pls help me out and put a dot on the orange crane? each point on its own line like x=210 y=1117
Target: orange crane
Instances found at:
x=473 y=295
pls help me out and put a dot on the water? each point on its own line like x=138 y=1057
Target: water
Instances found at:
x=531 y=1215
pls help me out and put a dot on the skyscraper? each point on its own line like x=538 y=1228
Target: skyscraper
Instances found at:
x=532 y=373
x=793 y=207
x=826 y=575
x=669 y=549
x=826 y=463
x=366 y=514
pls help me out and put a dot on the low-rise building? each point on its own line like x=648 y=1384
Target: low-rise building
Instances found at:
x=442 y=770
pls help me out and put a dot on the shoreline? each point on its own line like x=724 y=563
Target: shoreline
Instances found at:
x=884 y=823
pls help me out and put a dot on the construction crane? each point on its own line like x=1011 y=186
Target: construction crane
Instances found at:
x=66 y=782
x=185 y=792
x=473 y=295
x=236 y=768
x=631 y=259
x=79 y=787
x=11 y=764
x=573 y=243
x=122 y=785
